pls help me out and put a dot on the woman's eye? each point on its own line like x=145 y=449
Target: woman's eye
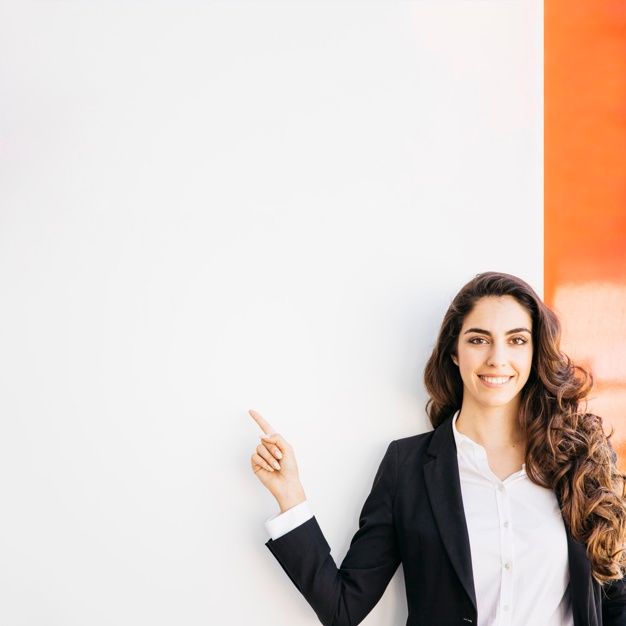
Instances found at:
x=518 y=341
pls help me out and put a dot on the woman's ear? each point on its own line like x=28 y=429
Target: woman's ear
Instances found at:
x=454 y=359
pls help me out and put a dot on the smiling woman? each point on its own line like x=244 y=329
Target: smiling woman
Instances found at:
x=514 y=500
x=498 y=326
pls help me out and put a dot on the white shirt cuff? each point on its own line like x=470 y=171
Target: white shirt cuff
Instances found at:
x=281 y=523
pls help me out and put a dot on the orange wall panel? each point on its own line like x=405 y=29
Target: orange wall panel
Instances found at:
x=585 y=193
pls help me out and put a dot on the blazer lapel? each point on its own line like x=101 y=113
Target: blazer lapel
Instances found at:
x=443 y=486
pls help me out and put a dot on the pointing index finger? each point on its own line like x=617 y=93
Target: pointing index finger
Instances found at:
x=264 y=424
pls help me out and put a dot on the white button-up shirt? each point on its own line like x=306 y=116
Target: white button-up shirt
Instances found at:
x=517 y=541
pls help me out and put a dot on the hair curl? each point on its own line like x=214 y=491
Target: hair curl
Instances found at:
x=566 y=447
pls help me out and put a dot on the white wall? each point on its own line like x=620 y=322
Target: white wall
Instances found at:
x=211 y=207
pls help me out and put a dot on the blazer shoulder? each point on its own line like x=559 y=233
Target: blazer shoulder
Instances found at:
x=415 y=440
x=414 y=444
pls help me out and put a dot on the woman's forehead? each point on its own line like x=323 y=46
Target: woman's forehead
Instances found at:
x=498 y=313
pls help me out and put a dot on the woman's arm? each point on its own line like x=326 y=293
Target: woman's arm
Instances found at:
x=344 y=596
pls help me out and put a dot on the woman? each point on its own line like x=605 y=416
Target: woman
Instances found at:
x=510 y=512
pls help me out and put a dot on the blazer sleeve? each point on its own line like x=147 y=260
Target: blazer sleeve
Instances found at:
x=344 y=596
x=614 y=603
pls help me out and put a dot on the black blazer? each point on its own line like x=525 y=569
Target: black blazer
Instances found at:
x=414 y=515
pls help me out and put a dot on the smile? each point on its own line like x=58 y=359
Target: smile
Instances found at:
x=495 y=381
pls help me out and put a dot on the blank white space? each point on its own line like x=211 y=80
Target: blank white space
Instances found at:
x=208 y=207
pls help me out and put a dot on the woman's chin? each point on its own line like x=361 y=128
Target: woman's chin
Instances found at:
x=495 y=399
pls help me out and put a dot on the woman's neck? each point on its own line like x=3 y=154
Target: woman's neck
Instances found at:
x=494 y=428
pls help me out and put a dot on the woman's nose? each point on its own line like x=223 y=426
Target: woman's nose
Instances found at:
x=496 y=356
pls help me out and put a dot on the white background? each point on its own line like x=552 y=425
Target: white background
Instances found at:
x=211 y=207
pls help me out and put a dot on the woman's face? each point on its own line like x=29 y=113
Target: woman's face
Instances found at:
x=494 y=351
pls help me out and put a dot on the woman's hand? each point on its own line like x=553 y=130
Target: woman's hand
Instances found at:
x=274 y=463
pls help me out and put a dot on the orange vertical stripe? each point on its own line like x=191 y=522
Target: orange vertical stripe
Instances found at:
x=585 y=192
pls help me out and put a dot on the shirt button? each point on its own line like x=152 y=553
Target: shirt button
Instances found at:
x=506 y=607
x=506 y=524
x=507 y=565
x=500 y=487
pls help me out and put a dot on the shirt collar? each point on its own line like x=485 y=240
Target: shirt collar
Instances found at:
x=463 y=442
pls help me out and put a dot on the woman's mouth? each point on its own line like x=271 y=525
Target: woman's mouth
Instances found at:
x=495 y=381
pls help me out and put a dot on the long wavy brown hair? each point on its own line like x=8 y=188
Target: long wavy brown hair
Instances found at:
x=567 y=449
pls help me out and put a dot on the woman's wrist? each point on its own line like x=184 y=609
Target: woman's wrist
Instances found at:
x=295 y=497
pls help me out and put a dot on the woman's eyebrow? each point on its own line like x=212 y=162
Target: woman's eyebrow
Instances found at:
x=486 y=332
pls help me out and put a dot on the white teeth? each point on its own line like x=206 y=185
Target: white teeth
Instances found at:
x=499 y=380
